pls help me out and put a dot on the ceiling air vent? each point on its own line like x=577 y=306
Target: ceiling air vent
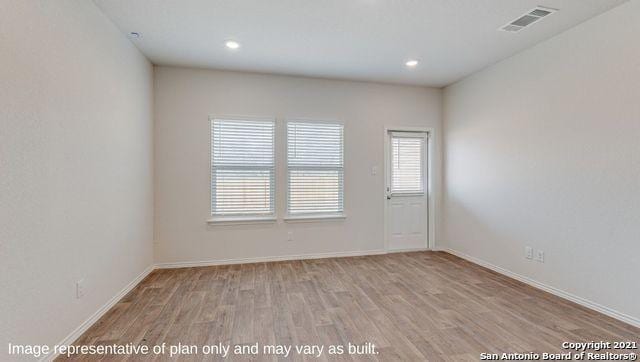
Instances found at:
x=528 y=19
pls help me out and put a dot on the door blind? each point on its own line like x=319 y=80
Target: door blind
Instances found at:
x=407 y=175
x=315 y=168
x=242 y=167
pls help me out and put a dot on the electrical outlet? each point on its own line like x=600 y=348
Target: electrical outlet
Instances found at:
x=528 y=252
x=80 y=290
x=290 y=236
x=540 y=256
x=374 y=170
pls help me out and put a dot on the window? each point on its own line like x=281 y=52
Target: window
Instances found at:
x=315 y=168
x=242 y=168
x=407 y=150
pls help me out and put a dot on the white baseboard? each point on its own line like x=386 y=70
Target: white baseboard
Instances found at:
x=549 y=289
x=100 y=312
x=263 y=259
x=407 y=250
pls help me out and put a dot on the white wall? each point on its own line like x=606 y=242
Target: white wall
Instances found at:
x=76 y=196
x=184 y=99
x=543 y=149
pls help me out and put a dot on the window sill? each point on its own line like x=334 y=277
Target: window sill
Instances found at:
x=241 y=220
x=314 y=218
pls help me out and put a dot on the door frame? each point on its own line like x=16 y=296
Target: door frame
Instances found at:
x=430 y=242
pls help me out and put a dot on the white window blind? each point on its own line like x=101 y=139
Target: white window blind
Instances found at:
x=315 y=168
x=407 y=152
x=242 y=167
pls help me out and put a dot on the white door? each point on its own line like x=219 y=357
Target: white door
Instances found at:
x=406 y=191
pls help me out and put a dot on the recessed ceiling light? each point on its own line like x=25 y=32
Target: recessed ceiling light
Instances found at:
x=411 y=63
x=232 y=44
x=134 y=35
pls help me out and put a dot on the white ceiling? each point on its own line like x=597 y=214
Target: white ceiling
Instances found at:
x=351 y=39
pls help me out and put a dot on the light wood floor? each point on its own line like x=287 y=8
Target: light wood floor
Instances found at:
x=412 y=306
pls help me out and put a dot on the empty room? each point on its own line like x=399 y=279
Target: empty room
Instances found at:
x=319 y=180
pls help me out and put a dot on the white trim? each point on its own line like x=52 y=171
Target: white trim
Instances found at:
x=549 y=289
x=265 y=259
x=431 y=174
x=408 y=134
x=407 y=194
x=274 y=120
x=285 y=123
x=73 y=336
x=406 y=250
x=408 y=129
x=424 y=140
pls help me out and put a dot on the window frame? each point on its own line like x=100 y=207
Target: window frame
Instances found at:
x=424 y=137
x=310 y=217
x=249 y=217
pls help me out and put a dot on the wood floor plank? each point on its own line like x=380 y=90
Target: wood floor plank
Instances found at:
x=421 y=306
